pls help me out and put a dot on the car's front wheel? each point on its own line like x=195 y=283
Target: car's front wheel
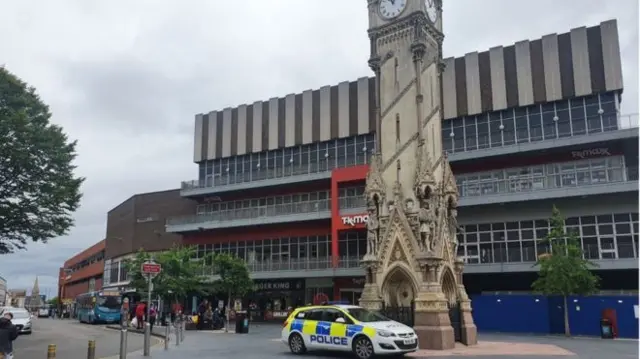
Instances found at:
x=296 y=344
x=363 y=348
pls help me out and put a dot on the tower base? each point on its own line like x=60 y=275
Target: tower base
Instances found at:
x=469 y=335
x=434 y=330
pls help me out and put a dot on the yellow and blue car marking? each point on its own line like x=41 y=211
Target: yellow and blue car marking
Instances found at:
x=329 y=333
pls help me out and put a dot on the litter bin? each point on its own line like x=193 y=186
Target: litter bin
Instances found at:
x=242 y=322
x=606 y=329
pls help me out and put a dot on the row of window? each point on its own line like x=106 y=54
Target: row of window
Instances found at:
x=565 y=118
x=560 y=119
x=549 y=176
x=294 y=253
x=603 y=237
x=87 y=262
x=298 y=160
x=115 y=272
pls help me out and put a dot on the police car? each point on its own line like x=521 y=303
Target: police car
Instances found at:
x=346 y=328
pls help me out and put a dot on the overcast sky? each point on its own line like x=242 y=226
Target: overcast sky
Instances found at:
x=125 y=78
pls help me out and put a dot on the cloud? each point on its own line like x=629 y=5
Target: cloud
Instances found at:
x=126 y=78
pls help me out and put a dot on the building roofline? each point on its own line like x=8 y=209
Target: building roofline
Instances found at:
x=370 y=77
x=134 y=196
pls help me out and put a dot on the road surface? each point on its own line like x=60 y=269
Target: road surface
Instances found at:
x=71 y=340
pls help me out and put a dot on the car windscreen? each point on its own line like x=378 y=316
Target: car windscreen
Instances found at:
x=110 y=302
x=20 y=315
x=366 y=316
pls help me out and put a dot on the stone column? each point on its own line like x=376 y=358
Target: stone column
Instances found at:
x=469 y=330
x=370 y=298
x=432 y=323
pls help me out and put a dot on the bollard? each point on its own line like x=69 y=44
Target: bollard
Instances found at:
x=91 y=350
x=123 y=343
x=147 y=340
x=182 y=329
x=51 y=351
x=167 y=333
x=177 y=332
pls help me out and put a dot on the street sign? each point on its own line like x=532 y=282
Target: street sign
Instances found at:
x=151 y=268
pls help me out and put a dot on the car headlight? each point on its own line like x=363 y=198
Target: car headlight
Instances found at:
x=385 y=333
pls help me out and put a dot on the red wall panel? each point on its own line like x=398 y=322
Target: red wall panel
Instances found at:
x=71 y=291
x=338 y=176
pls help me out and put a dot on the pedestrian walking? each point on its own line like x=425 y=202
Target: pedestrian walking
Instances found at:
x=153 y=314
x=140 y=311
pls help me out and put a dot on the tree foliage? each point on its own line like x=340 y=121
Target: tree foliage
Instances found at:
x=181 y=274
x=53 y=301
x=233 y=275
x=38 y=189
x=563 y=271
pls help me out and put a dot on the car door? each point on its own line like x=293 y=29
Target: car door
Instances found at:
x=312 y=318
x=338 y=339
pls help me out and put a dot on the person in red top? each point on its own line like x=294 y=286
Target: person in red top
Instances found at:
x=140 y=310
x=177 y=310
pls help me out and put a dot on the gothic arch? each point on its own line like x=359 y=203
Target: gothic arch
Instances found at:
x=399 y=287
x=449 y=286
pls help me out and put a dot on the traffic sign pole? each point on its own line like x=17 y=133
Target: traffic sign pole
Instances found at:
x=150 y=269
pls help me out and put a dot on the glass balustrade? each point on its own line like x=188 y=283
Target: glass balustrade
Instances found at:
x=254 y=212
x=576 y=178
x=256 y=176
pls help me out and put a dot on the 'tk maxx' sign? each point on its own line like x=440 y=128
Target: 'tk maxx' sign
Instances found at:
x=354 y=220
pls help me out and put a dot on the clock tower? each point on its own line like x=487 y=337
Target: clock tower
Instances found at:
x=411 y=263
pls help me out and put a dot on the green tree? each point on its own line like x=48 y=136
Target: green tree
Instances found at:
x=181 y=274
x=38 y=189
x=563 y=271
x=53 y=301
x=232 y=278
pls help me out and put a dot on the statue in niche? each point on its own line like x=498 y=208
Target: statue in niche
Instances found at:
x=453 y=227
x=372 y=231
x=426 y=218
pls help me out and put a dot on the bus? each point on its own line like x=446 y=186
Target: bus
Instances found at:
x=99 y=307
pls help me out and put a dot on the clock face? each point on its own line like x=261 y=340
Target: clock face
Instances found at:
x=391 y=8
x=432 y=12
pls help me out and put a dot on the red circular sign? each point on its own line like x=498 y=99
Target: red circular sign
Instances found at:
x=320 y=298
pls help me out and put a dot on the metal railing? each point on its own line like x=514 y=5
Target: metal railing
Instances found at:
x=277 y=210
x=323 y=205
x=256 y=175
x=547 y=182
x=536 y=134
x=350 y=262
x=319 y=263
x=528 y=254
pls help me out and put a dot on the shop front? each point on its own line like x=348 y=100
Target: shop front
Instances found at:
x=348 y=289
x=318 y=290
x=273 y=300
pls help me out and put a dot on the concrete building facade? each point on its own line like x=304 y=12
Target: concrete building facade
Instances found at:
x=81 y=273
x=139 y=223
x=526 y=126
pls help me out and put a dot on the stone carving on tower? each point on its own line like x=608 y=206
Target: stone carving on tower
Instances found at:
x=411 y=192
